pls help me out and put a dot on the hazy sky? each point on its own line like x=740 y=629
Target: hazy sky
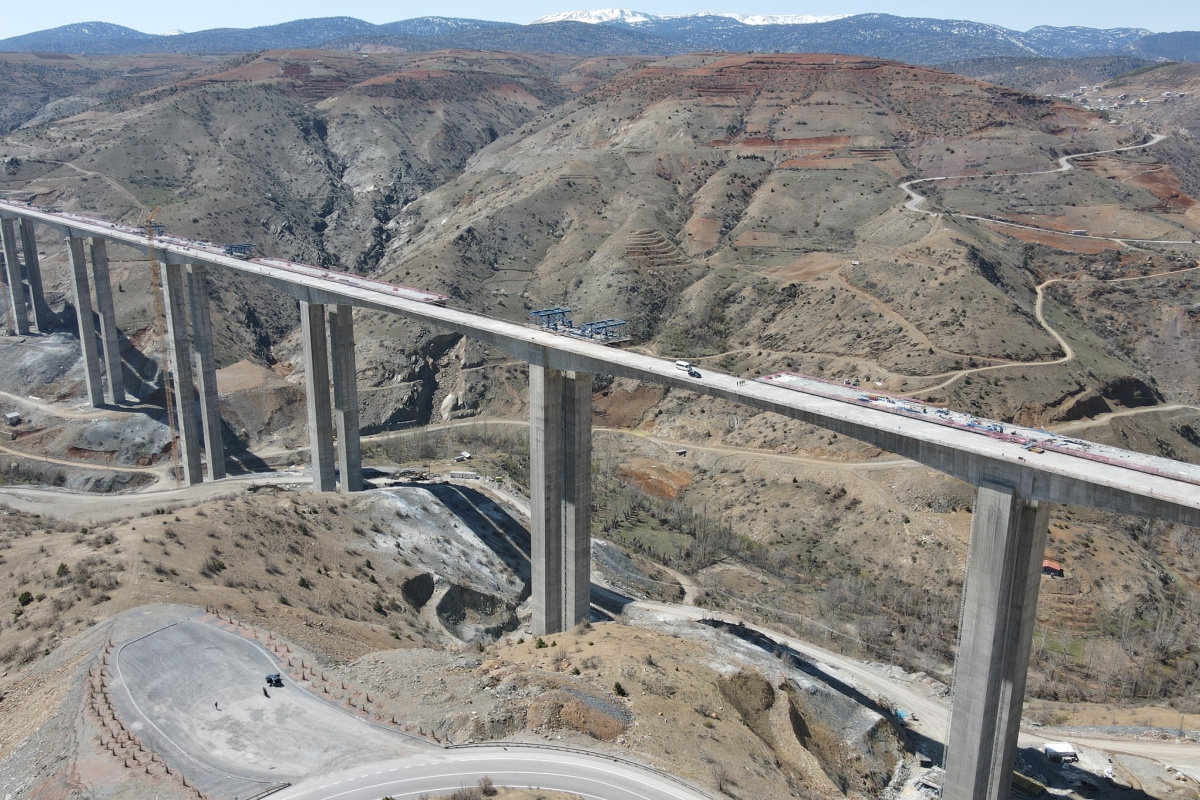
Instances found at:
x=154 y=16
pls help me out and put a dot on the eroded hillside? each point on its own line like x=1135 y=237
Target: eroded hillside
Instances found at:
x=309 y=154
x=745 y=213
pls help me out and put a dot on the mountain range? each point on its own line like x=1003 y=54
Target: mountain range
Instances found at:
x=621 y=31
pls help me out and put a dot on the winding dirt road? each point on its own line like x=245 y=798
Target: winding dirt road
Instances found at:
x=916 y=199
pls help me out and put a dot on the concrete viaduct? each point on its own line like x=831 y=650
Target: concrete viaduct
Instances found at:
x=1015 y=487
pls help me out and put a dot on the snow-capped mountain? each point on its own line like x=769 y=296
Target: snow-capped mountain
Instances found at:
x=598 y=17
x=617 y=31
x=624 y=16
x=775 y=19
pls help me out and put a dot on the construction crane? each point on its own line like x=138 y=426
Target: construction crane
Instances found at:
x=160 y=331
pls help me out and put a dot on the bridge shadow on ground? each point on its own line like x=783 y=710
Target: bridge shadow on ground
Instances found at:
x=930 y=748
x=509 y=539
x=238 y=458
x=1065 y=776
x=495 y=527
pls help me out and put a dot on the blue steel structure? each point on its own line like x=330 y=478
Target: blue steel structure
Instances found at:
x=555 y=319
x=605 y=329
x=239 y=250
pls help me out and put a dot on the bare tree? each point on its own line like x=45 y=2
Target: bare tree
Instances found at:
x=721 y=777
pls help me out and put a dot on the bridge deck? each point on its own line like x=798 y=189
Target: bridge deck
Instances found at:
x=1058 y=475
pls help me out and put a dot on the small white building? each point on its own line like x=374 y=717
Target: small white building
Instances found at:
x=12 y=418
x=1060 y=751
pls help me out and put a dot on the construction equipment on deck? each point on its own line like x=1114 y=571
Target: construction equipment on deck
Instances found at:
x=243 y=250
x=608 y=331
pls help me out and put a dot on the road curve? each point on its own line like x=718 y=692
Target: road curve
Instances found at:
x=593 y=777
x=916 y=199
x=1104 y=419
x=95 y=508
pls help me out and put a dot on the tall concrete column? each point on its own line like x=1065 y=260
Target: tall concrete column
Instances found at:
x=577 y=498
x=115 y=391
x=345 y=397
x=4 y=305
x=87 y=324
x=546 y=494
x=316 y=385
x=33 y=272
x=175 y=291
x=1008 y=541
x=206 y=370
x=14 y=283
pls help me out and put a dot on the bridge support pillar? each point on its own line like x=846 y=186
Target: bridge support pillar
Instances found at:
x=33 y=273
x=577 y=498
x=560 y=473
x=546 y=495
x=345 y=398
x=316 y=384
x=1008 y=541
x=14 y=281
x=114 y=392
x=175 y=291
x=206 y=370
x=87 y=324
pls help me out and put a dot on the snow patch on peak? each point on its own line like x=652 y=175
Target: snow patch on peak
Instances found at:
x=625 y=16
x=780 y=19
x=598 y=16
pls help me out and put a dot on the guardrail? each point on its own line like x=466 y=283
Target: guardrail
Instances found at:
x=591 y=754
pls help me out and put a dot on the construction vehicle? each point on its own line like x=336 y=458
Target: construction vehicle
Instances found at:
x=242 y=250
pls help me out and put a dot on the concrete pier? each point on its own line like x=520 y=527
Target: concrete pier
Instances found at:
x=87 y=324
x=546 y=495
x=114 y=392
x=316 y=386
x=42 y=318
x=175 y=292
x=577 y=498
x=345 y=397
x=18 y=312
x=1008 y=541
x=206 y=370
x=560 y=486
x=7 y=329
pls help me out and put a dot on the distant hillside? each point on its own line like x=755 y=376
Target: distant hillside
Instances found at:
x=1180 y=46
x=78 y=38
x=910 y=39
x=41 y=87
x=439 y=26
x=1047 y=75
x=559 y=38
x=101 y=38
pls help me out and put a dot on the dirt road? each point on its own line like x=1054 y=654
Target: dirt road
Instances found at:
x=94 y=508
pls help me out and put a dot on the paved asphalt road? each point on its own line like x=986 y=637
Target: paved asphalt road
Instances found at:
x=592 y=777
x=195 y=694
